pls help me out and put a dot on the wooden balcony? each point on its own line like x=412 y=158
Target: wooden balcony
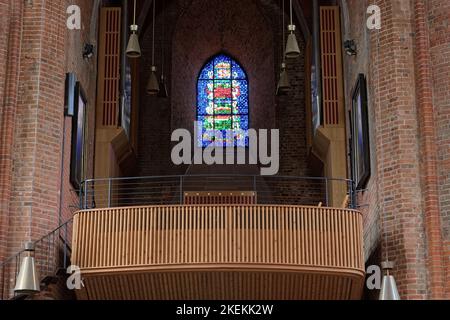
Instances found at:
x=219 y=252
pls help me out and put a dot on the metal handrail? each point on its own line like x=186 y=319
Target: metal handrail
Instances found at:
x=147 y=190
x=52 y=251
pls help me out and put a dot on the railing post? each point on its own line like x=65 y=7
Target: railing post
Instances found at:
x=65 y=246
x=109 y=192
x=85 y=194
x=80 y=196
x=3 y=281
x=254 y=184
x=326 y=192
x=181 y=190
x=353 y=194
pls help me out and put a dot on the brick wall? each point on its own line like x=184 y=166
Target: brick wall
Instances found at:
x=394 y=189
x=33 y=200
x=402 y=163
x=250 y=32
x=34 y=197
x=85 y=71
x=38 y=140
x=353 y=22
x=155 y=113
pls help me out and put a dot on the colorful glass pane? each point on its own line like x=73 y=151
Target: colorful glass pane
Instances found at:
x=222 y=89
x=208 y=71
x=238 y=73
x=240 y=96
x=222 y=70
x=222 y=106
x=222 y=67
x=205 y=97
x=222 y=103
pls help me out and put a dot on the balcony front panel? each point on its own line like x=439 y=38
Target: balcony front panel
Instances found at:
x=219 y=252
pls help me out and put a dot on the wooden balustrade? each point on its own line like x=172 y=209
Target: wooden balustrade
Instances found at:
x=163 y=239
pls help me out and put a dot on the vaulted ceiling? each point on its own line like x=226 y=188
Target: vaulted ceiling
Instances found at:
x=301 y=7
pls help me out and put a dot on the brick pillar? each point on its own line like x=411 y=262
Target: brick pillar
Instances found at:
x=438 y=13
x=397 y=147
x=428 y=153
x=35 y=190
x=10 y=49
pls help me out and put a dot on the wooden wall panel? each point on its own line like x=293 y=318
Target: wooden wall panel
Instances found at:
x=332 y=78
x=221 y=285
x=109 y=68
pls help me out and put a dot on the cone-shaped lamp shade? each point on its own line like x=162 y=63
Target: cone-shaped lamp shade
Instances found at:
x=163 y=88
x=27 y=281
x=388 y=287
x=283 y=84
x=133 y=48
x=292 y=48
x=153 y=84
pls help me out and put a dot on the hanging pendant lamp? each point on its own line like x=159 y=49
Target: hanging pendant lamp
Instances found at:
x=163 y=93
x=133 y=47
x=292 y=49
x=388 y=287
x=27 y=281
x=153 y=84
x=283 y=83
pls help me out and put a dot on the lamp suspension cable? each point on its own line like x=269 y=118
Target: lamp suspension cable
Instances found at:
x=290 y=11
x=163 y=39
x=389 y=289
x=382 y=213
x=153 y=36
x=153 y=83
x=134 y=13
x=163 y=93
x=284 y=33
x=283 y=82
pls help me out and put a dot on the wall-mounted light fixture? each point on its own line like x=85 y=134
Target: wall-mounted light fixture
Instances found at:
x=88 y=51
x=350 y=47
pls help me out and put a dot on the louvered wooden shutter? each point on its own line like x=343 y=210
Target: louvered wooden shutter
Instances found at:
x=109 y=68
x=332 y=80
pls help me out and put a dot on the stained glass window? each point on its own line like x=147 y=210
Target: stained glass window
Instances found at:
x=222 y=103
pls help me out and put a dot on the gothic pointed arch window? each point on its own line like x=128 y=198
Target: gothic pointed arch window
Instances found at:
x=222 y=103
